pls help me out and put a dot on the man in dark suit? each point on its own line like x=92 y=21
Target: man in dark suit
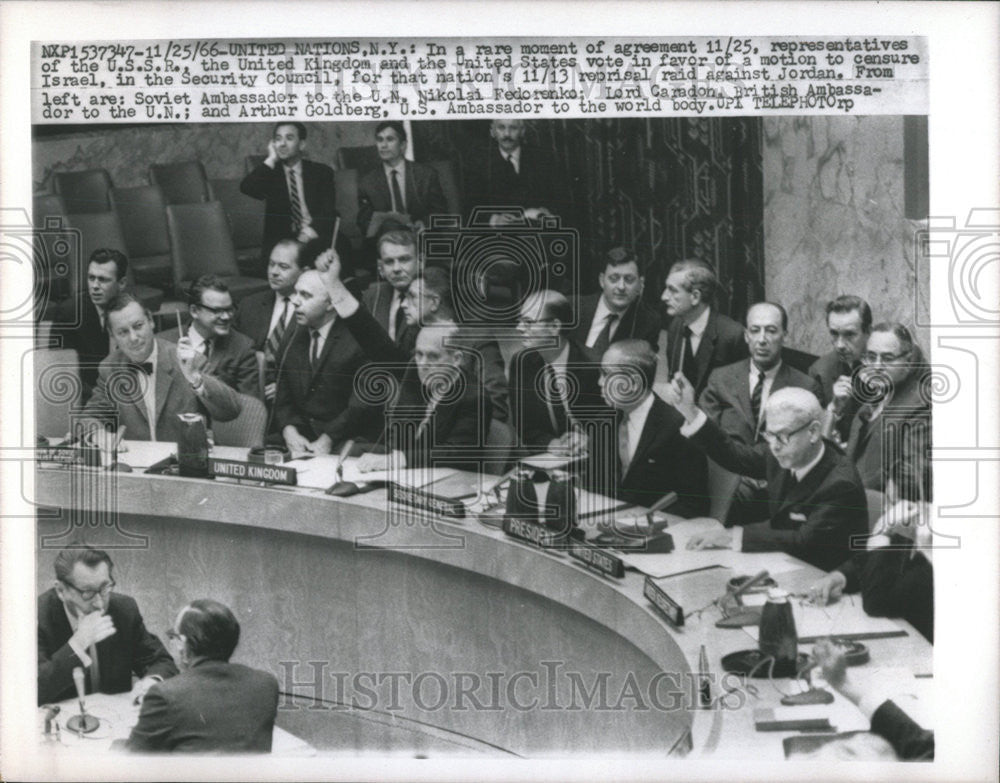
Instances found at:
x=553 y=386
x=229 y=354
x=849 y=319
x=313 y=404
x=736 y=394
x=299 y=195
x=699 y=338
x=80 y=320
x=398 y=263
x=212 y=705
x=816 y=502
x=145 y=383
x=83 y=623
x=407 y=191
x=653 y=458
x=895 y=422
x=511 y=176
x=618 y=312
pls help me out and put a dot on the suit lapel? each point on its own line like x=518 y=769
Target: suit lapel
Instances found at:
x=650 y=432
x=332 y=337
x=166 y=365
x=793 y=492
x=411 y=196
x=742 y=393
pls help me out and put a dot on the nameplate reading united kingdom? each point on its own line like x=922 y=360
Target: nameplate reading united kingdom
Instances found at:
x=664 y=604
x=252 y=471
x=598 y=559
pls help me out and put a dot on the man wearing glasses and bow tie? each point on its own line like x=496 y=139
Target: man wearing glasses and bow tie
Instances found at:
x=816 y=502
x=145 y=383
x=83 y=623
x=229 y=354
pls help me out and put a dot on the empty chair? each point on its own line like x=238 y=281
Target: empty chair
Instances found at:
x=57 y=388
x=83 y=191
x=142 y=212
x=200 y=244
x=250 y=162
x=182 y=183
x=448 y=175
x=247 y=429
x=246 y=221
x=102 y=229
x=360 y=158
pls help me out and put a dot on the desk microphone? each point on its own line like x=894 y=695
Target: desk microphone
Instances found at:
x=341 y=488
x=82 y=723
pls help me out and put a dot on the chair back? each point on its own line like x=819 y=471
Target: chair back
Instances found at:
x=183 y=182
x=721 y=487
x=83 y=191
x=448 y=175
x=199 y=242
x=57 y=388
x=359 y=158
x=143 y=216
x=247 y=429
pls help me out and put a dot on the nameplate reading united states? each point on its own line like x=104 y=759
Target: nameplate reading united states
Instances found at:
x=666 y=605
x=598 y=559
x=252 y=471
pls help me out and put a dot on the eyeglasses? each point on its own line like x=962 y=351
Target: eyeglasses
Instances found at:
x=89 y=595
x=782 y=438
x=231 y=310
x=870 y=357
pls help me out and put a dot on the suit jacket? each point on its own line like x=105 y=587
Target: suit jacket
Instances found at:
x=825 y=370
x=894 y=583
x=378 y=299
x=721 y=343
x=912 y=444
x=726 y=398
x=116 y=394
x=491 y=182
x=908 y=739
x=270 y=185
x=213 y=706
x=319 y=402
x=253 y=317
x=638 y=322
x=814 y=519
x=232 y=360
x=529 y=411
x=130 y=650
x=79 y=325
x=424 y=196
x=664 y=461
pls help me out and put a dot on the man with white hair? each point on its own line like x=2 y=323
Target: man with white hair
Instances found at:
x=816 y=501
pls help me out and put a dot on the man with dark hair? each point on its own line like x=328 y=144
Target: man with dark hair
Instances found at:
x=229 y=355
x=849 y=319
x=268 y=317
x=83 y=623
x=398 y=263
x=212 y=705
x=406 y=191
x=894 y=423
x=146 y=382
x=618 y=312
x=653 y=458
x=81 y=320
x=736 y=394
x=699 y=338
x=510 y=177
x=551 y=379
x=299 y=195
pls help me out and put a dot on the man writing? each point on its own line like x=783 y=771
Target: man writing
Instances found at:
x=83 y=623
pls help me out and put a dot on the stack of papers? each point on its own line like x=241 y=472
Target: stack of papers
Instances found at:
x=320 y=472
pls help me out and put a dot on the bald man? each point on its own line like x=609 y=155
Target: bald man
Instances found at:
x=816 y=501
x=315 y=375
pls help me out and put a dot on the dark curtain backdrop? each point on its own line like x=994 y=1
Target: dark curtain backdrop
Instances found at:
x=671 y=188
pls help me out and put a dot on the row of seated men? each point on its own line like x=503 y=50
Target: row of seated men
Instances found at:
x=329 y=358
x=299 y=193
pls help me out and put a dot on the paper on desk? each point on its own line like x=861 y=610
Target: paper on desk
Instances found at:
x=143 y=453
x=548 y=461
x=320 y=472
x=839 y=619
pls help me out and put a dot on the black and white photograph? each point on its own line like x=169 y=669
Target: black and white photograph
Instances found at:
x=607 y=401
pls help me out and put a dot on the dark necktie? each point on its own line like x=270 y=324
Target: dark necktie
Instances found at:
x=554 y=400
x=397 y=195
x=688 y=366
x=277 y=334
x=206 y=350
x=604 y=337
x=399 y=322
x=314 y=350
x=510 y=162
x=755 y=398
x=293 y=200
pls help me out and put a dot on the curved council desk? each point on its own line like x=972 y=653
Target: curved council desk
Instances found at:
x=446 y=636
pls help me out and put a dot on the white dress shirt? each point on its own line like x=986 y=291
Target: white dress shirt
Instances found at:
x=278 y=310
x=768 y=383
x=636 y=422
x=394 y=305
x=698 y=327
x=149 y=390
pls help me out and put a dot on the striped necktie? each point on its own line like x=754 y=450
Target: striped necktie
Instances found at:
x=293 y=199
x=277 y=333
